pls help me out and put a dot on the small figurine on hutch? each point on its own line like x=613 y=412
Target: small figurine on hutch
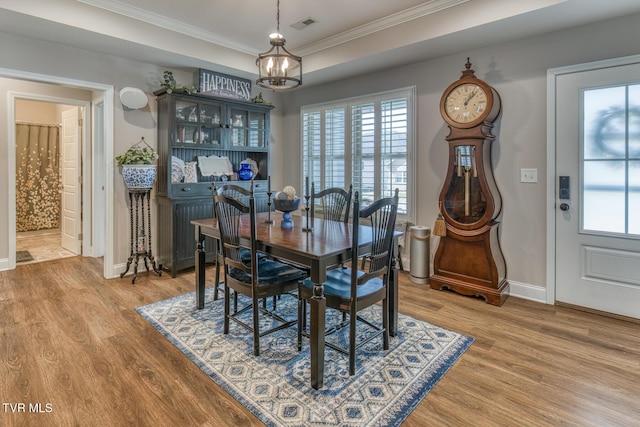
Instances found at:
x=469 y=259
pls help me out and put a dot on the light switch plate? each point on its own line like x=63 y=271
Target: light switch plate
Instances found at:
x=528 y=175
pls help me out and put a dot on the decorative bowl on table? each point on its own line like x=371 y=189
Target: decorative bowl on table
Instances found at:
x=286 y=206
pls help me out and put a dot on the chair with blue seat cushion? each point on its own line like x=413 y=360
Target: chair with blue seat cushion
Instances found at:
x=258 y=278
x=238 y=193
x=351 y=290
x=242 y=194
x=334 y=203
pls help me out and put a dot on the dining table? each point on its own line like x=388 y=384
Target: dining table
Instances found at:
x=315 y=244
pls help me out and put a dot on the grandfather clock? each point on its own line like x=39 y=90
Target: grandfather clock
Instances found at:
x=469 y=259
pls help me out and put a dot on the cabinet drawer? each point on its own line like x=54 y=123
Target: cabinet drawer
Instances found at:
x=259 y=186
x=184 y=189
x=192 y=189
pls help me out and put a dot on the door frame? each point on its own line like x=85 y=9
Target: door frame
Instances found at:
x=102 y=158
x=552 y=75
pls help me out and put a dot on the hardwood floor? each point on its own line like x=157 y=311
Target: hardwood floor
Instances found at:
x=72 y=343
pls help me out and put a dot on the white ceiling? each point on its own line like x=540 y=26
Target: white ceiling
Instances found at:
x=349 y=37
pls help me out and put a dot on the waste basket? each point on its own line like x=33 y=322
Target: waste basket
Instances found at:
x=419 y=254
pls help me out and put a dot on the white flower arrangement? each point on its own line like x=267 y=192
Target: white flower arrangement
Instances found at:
x=287 y=193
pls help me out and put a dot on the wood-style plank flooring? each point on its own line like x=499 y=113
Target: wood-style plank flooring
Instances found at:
x=72 y=344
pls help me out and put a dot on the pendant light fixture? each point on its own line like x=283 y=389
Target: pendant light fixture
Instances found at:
x=278 y=68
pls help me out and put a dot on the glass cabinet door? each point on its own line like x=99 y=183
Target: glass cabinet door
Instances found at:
x=186 y=111
x=248 y=128
x=186 y=122
x=210 y=119
x=238 y=128
x=198 y=123
x=256 y=129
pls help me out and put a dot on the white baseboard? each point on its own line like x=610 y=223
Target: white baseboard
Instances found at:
x=118 y=269
x=4 y=264
x=527 y=291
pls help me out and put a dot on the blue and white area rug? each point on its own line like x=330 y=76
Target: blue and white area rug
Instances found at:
x=276 y=386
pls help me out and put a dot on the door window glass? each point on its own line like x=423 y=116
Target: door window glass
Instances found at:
x=610 y=184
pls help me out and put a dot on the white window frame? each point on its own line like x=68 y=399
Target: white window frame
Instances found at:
x=410 y=94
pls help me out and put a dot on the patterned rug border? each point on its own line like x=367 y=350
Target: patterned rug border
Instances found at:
x=411 y=397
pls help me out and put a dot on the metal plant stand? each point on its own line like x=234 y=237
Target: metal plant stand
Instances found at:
x=140 y=241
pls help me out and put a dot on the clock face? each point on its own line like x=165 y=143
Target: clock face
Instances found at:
x=466 y=103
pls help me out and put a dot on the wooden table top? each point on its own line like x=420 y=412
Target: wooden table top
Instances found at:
x=328 y=238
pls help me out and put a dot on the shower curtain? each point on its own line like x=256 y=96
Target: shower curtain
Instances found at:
x=38 y=196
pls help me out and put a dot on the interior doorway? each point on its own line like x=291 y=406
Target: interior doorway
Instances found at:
x=98 y=185
x=48 y=193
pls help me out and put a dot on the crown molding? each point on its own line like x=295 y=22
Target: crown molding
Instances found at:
x=379 y=25
x=174 y=25
x=170 y=24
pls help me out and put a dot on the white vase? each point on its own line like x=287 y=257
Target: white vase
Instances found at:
x=139 y=177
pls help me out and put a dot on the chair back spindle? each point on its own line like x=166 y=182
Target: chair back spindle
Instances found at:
x=335 y=203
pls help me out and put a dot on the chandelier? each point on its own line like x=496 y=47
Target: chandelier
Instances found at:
x=278 y=68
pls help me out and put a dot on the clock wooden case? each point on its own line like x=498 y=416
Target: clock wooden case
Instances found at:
x=469 y=259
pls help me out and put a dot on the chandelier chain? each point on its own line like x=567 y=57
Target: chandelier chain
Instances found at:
x=278 y=17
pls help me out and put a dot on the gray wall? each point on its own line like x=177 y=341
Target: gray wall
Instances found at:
x=517 y=70
x=45 y=58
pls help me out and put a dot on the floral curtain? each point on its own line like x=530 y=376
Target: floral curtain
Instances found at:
x=38 y=196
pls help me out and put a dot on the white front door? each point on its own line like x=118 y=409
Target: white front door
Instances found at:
x=71 y=181
x=597 y=185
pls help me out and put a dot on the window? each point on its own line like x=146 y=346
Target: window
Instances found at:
x=611 y=160
x=366 y=142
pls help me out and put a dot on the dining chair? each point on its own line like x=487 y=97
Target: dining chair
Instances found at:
x=239 y=193
x=349 y=289
x=335 y=203
x=257 y=278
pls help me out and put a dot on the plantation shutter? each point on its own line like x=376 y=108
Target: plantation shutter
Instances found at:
x=366 y=142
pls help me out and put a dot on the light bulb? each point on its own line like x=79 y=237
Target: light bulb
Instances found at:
x=269 y=66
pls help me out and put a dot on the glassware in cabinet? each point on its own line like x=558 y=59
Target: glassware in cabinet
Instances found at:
x=238 y=130
x=256 y=129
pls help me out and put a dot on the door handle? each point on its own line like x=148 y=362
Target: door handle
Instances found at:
x=564 y=207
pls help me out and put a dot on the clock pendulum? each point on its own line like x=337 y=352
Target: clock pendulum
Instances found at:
x=469 y=259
